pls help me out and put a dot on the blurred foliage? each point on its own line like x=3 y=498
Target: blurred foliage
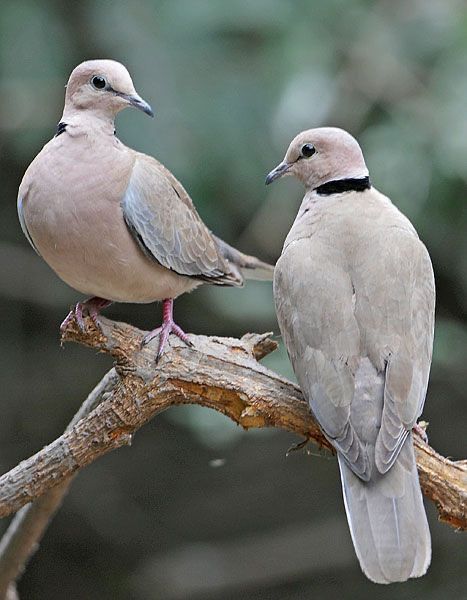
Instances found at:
x=231 y=84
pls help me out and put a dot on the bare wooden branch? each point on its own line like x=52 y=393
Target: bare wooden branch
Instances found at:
x=220 y=373
x=22 y=537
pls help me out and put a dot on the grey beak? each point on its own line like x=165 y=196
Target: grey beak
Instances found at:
x=280 y=170
x=140 y=104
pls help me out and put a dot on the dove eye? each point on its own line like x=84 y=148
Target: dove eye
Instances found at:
x=308 y=150
x=98 y=82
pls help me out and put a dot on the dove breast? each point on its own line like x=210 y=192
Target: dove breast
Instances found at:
x=70 y=208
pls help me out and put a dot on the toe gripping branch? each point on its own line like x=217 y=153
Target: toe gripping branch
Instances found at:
x=91 y=306
x=168 y=326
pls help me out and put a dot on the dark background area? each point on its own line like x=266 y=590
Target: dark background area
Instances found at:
x=231 y=84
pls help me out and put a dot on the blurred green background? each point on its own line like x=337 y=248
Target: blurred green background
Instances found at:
x=197 y=508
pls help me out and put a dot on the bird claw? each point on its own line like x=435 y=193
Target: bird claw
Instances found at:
x=91 y=308
x=163 y=333
x=420 y=429
x=298 y=446
x=168 y=326
x=75 y=313
x=67 y=320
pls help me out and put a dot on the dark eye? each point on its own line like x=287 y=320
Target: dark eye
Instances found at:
x=98 y=82
x=308 y=150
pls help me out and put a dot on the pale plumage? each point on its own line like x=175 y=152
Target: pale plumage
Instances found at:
x=354 y=293
x=112 y=222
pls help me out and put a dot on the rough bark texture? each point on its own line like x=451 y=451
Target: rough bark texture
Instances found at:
x=220 y=373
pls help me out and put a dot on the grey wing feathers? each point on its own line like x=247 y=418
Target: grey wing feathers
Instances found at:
x=250 y=266
x=164 y=222
x=316 y=320
x=408 y=368
x=331 y=388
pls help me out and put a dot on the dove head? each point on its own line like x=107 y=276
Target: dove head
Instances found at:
x=101 y=88
x=317 y=156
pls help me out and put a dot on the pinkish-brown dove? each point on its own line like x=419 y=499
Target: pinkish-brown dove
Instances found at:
x=112 y=222
x=355 y=299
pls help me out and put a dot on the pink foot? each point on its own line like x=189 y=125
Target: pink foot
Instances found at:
x=91 y=307
x=168 y=326
x=421 y=432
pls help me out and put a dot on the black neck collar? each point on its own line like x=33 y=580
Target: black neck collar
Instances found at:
x=343 y=185
x=61 y=127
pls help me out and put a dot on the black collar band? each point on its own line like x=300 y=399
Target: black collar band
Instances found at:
x=61 y=127
x=343 y=185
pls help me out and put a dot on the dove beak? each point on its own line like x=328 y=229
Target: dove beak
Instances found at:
x=281 y=169
x=136 y=101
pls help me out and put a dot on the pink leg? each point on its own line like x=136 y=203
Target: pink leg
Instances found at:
x=421 y=432
x=91 y=306
x=168 y=326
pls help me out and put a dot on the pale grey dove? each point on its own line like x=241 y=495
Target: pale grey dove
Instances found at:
x=112 y=222
x=355 y=299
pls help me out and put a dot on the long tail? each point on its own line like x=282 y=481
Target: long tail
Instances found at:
x=387 y=520
x=249 y=266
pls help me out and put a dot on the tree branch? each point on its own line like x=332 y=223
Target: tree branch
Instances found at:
x=25 y=531
x=220 y=373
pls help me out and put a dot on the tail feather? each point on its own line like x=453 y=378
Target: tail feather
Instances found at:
x=387 y=520
x=250 y=266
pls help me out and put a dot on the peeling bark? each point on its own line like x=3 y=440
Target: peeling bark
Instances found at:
x=220 y=373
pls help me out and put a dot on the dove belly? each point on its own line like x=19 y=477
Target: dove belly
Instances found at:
x=87 y=243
